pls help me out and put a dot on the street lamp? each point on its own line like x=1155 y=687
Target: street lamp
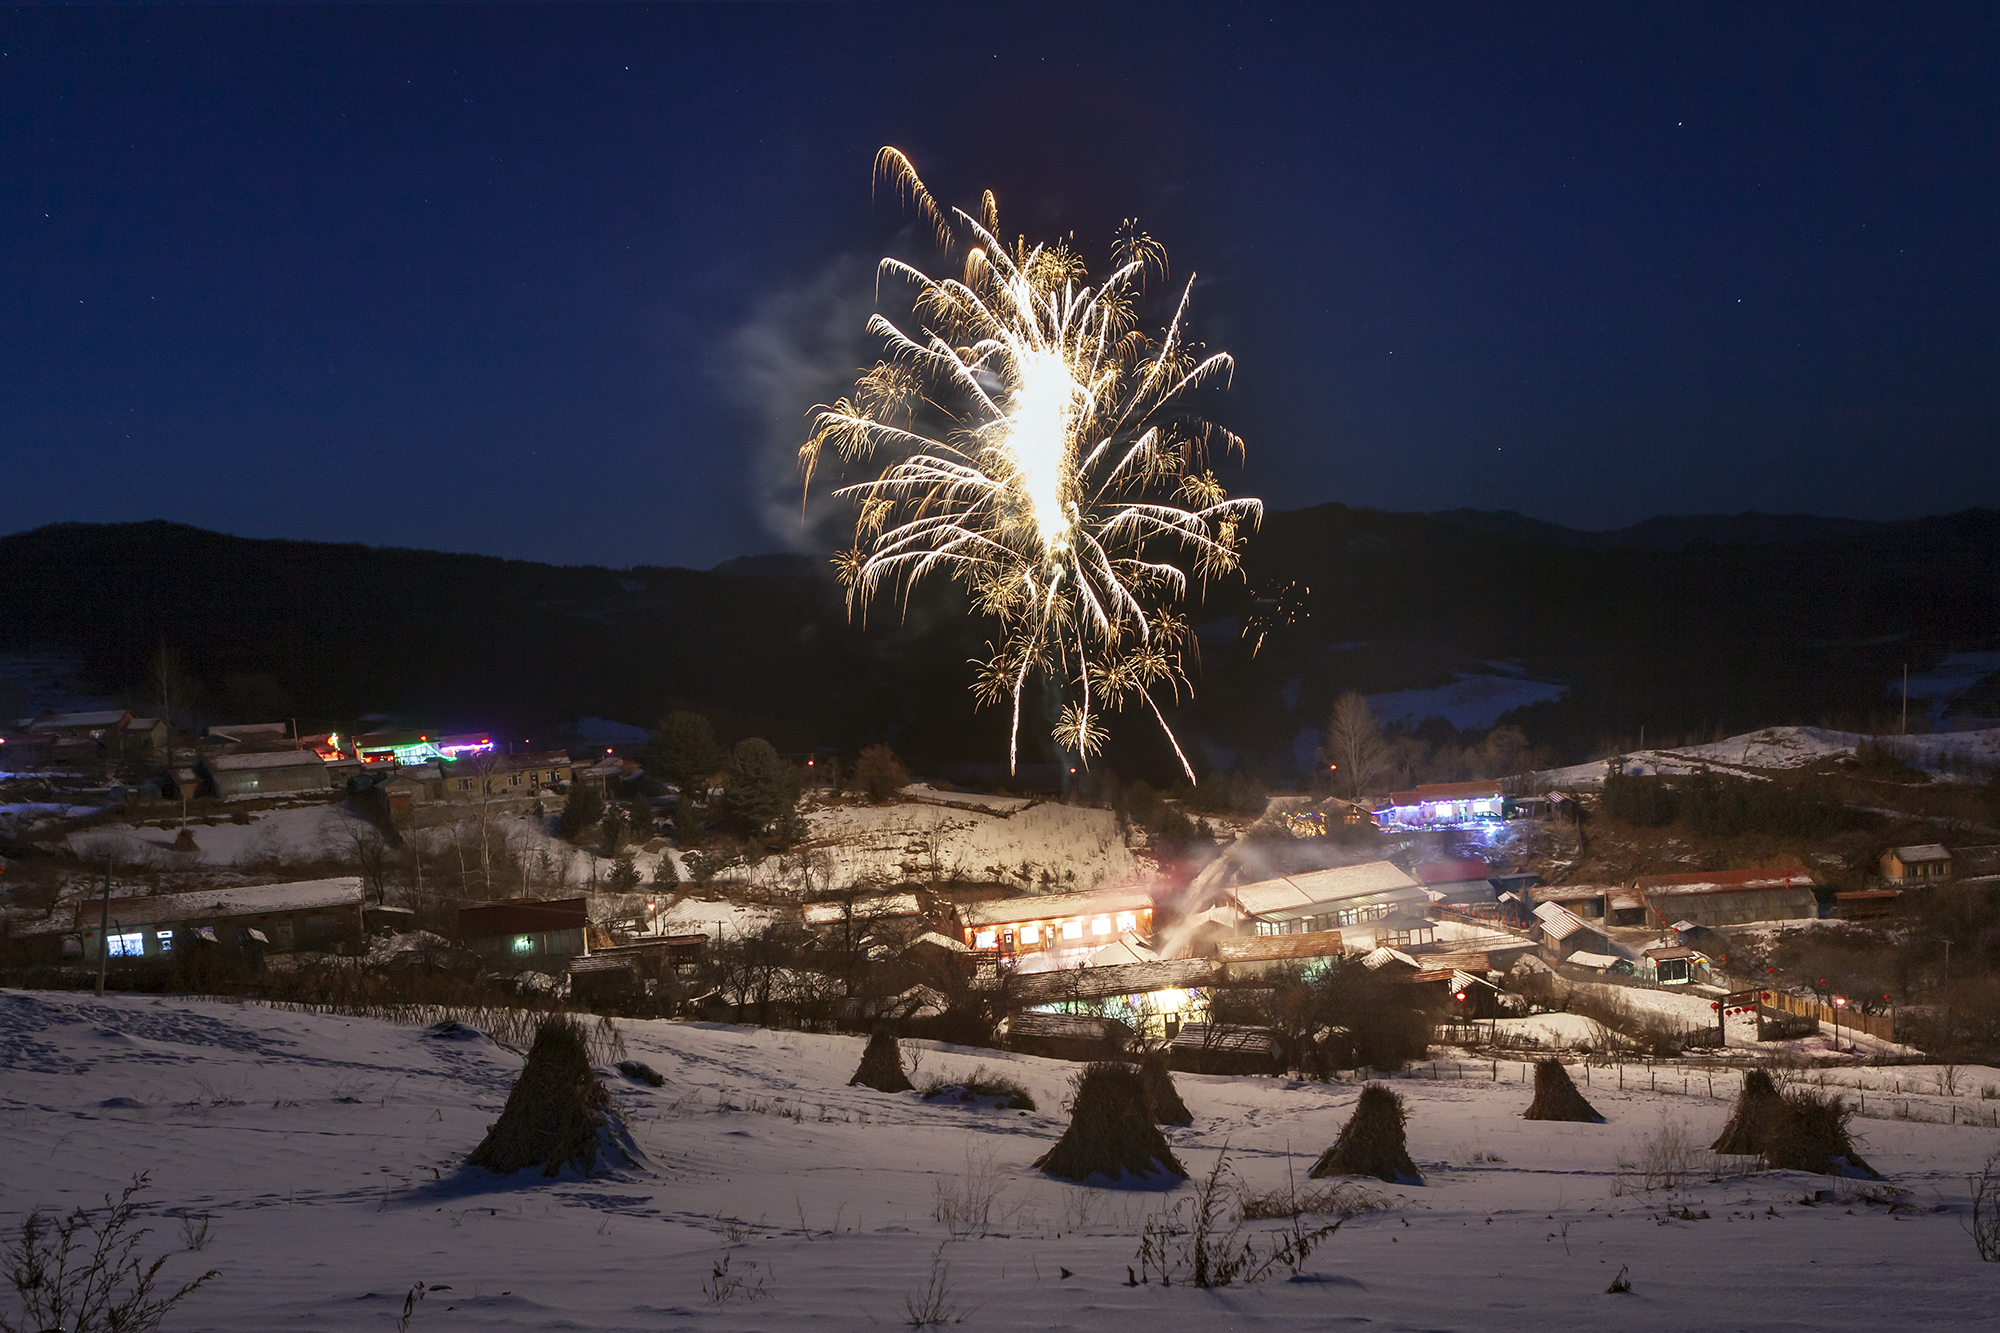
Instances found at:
x=1839 y=1003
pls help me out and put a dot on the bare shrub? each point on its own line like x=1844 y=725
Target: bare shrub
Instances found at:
x=979 y=1083
x=1341 y=1198
x=81 y=1274
x=965 y=1203
x=1199 y=1240
x=1984 y=1224
x=937 y=1303
x=723 y=1285
x=1667 y=1158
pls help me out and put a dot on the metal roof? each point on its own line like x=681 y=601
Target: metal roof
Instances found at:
x=1296 y=895
x=1928 y=851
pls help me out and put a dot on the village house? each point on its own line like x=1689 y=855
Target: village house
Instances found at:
x=305 y=914
x=1922 y=864
x=1673 y=965
x=1604 y=904
x=1781 y=892
x=487 y=775
x=626 y=972
x=106 y=733
x=525 y=935
x=1321 y=900
x=266 y=773
x=1056 y=923
x=1443 y=805
x=1066 y=1036
x=1564 y=934
x=1154 y=999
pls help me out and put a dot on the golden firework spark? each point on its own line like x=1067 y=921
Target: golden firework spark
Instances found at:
x=1034 y=445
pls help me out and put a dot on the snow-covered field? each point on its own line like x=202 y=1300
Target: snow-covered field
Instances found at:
x=1779 y=748
x=891 y=841
x=328 y=1154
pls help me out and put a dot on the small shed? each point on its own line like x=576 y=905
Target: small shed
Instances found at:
x=1067 y=1036
x=1916 y=865
x=1675 y=965
x=524 y=934
x=1226 y=1048
x=267 y=773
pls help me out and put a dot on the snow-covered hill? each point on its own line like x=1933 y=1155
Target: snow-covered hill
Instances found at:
x=328 y=1154
x=1755 y=753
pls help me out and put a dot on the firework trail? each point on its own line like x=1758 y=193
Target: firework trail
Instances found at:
x=1031 y=443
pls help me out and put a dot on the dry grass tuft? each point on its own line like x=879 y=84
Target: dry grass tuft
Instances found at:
x=1372 y=1142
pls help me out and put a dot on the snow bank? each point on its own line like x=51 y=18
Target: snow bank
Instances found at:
x=329 y=1155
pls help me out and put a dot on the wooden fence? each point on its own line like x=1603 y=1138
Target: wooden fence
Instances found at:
x=1875 y=1025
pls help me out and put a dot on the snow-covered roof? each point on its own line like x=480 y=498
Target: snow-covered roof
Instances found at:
x=108 y=718
x=937 y=941
x=1558 y=922
x=251 y=900
x=1293 y=895
x=1928 y=851
x=230 y=763
x=1598 y=961
x=1267 y=948
x=1054 y=906
x=1791 y=876
x=1127 y=948
x=1383 y=956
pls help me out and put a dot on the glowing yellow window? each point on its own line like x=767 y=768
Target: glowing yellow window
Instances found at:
x=1030 y=934
x=1127 y=921
x=985 y=939
x=1072 y=930
x=1101 y=926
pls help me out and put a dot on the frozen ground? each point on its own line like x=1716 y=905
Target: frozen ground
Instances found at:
x=328 y=1154
x=1780 y=748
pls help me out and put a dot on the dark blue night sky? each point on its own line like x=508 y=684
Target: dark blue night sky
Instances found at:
x=562 y=282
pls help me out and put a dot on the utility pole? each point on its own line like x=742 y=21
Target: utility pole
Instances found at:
x=104 y=928
x=1906 y=698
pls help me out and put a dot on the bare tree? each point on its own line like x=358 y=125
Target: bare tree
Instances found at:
x=1354 y=743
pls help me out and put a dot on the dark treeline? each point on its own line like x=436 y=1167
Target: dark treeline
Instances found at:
x=1678 y=632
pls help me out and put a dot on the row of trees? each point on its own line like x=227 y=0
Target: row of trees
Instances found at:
x=1367 y=760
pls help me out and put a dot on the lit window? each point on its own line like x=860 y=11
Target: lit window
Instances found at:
x=1072 y=930
x=524 y=944
x=1030 y=934
x=1127 y=921
x=1101 y=926
x=132 y=944
x=513 y=779
x=985 y=939
x=166 y=938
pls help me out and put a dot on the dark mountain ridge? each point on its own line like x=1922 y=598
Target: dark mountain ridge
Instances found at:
x=1679 y=624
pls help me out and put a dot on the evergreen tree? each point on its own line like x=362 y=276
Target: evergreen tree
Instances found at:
x=581 y=811
x=762 y=790
x=683 y=750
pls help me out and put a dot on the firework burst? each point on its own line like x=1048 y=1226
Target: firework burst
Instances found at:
x=1030 y=442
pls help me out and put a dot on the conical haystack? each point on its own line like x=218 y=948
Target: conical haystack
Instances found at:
x=1808 y=1132
x=1371 y=1143
x=1798 y=1129
x=1110 y=1132
x=1755 y=1105
x=1163 y=1100
x=1556 y=1097
x=556 y=1112
x=881 y=1065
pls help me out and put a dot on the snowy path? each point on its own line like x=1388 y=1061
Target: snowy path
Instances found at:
x=329 y=1151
